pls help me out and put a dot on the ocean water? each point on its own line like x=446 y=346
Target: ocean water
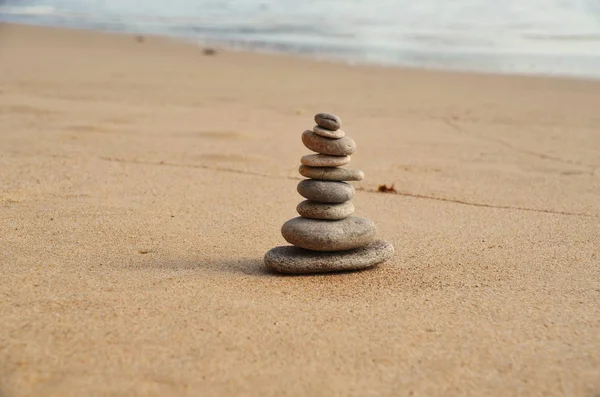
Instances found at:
x=546 y=37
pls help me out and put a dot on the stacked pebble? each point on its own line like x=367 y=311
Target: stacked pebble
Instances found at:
x=326 y=237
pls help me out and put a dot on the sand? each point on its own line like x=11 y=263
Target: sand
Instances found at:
x=143 y=181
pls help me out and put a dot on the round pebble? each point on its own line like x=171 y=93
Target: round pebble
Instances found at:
x=335 y=147
x=329 y=121
x=328 y=133
x=331 y=174
x=322 y=160
x=316 y=210
x=321 y=235
x=326 y=191
x=294 y=260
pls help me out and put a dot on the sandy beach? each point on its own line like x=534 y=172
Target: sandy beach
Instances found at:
x=142 y=181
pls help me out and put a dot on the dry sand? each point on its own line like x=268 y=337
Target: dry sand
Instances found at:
x=142 y=183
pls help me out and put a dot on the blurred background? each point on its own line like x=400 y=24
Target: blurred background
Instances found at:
x=546 y=37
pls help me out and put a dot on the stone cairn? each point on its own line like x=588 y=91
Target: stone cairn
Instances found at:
x=326 y=237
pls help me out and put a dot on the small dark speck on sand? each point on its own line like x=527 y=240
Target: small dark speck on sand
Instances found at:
x=209 y=51
x=386 y=189
x=140 y=39
x=144 y=252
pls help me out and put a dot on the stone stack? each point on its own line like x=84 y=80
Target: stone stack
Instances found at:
x=326 y=237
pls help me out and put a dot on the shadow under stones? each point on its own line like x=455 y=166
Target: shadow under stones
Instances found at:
x=248 y=267
x=257 y=267
x=328 y=274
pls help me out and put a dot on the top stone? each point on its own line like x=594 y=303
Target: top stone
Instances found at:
x=334 y=147
x=329 y=121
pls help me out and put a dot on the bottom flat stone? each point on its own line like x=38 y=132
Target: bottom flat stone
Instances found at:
x=294 y=260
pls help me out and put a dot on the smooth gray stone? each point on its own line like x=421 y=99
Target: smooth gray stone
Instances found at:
x=294 y=260
x=329 y=121
x=328 y=133
x=315 y=210
x=325 y=191
x=331 y=174
x=335 y=147
x=322 y=160
x=322 y=235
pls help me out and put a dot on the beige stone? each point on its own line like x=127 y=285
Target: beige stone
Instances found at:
x=321 y=235
x=331 y=174
x=294 y=260
x=337 y=134
x=335 y=147
x=323 y=160
x=316 y=210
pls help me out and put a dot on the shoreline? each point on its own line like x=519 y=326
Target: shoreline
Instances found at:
x=224 y=46
x=143 y=183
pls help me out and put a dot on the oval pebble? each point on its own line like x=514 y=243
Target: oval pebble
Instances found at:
x=316 y=210
x=294 y=260
x=325 y=191
x=323 y=160
x=331 y=174
x=328 y=133
x=335 y=147
x=321 y=235
x=329 y=121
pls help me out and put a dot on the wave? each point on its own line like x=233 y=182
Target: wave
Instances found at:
x=421 y=39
